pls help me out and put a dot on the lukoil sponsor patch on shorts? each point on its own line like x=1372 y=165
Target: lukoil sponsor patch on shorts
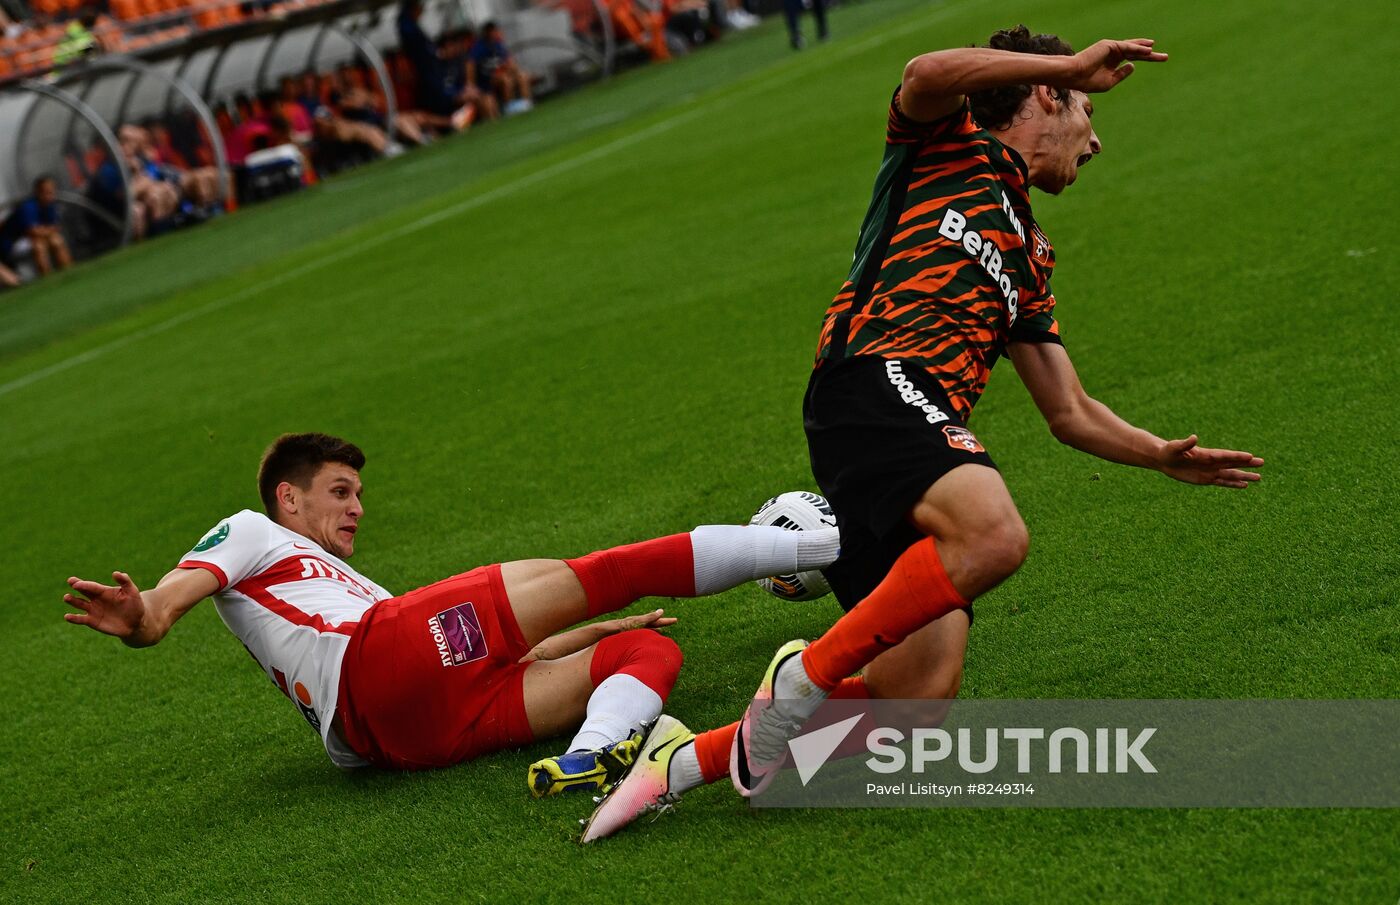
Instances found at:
x=457 y=635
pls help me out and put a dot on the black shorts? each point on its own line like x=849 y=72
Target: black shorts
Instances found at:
x=880 y=432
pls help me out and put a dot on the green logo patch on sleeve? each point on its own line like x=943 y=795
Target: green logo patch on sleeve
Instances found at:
x=216 y=537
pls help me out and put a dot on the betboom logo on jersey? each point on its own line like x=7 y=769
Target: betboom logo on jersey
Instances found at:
x=954 y=228
x=912 y=394
x=457 y=634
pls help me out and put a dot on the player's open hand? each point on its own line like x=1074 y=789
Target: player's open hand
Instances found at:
x=1105 y=64
x=1193 y=464
x=113 y=610
x=654 y=619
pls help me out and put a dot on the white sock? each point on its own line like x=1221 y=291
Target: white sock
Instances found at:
x=684 y=772
x=800 y=696
x=726 y=556
x=618 y=707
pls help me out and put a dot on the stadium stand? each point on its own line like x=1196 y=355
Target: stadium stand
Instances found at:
x=154 y=114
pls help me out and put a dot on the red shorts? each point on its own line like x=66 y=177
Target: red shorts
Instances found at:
x=430 y=679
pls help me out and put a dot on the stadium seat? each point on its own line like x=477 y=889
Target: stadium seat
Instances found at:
x=126 y=10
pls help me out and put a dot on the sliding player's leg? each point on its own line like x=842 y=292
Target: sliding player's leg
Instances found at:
x=550 y=595
x=605 y=694
x=974 y=540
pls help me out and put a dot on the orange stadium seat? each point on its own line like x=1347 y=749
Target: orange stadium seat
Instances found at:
x=42 y=58
x=126 y=10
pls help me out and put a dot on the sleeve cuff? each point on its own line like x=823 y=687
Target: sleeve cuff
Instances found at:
x=208 y=567
x=1037 y=336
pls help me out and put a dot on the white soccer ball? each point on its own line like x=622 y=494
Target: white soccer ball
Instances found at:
x=796 y=510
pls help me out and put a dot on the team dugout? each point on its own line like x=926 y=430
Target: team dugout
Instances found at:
x=146 y=115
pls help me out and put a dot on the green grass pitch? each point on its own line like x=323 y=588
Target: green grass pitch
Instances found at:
x=594 y=324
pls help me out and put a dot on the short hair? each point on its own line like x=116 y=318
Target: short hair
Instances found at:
x=296 y=459
x=43 y=178
x=995 y=108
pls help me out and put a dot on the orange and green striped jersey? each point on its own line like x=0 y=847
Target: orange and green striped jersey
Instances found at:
x=950 y=265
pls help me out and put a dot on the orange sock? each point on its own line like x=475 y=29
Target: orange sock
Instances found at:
x=914 y=593
x=712 y=748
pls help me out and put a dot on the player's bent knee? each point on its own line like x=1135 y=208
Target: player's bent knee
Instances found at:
x=643 y=653
x=943 y=684
x=657 y=646
x=1010 y=542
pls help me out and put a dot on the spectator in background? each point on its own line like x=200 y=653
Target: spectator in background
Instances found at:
x=249 y=133
x=149 y=202
x=439 y=93
x=792 y=11
x=491 y=68
x=199 y=185
x=301 y=128
x=79 y=41
x=330 y=126
x=33 y=228
x=359 y=106
x=454 y=52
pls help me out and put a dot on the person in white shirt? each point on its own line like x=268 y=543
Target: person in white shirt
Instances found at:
x=460 y=668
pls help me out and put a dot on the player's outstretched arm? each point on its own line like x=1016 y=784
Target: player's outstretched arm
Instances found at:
x=935 y=84
x=576 y=639
x=139 y=618
x=1078 y=420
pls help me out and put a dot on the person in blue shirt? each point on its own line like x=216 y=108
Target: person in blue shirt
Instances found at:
x=439 y=91
x=36 y=220
x=490 y=67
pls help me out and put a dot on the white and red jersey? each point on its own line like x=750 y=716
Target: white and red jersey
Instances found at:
x=293 y=605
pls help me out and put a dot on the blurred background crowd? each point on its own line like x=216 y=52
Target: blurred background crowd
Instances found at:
x=124 y=119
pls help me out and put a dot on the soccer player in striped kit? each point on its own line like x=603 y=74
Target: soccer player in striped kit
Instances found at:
x=473 y=664
x=951 y=272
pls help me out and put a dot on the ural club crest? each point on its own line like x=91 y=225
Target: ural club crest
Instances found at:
x=1040 y=247
x=962 y=438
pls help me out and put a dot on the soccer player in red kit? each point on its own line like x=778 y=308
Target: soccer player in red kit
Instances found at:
x=951 y=272
x=464 y=667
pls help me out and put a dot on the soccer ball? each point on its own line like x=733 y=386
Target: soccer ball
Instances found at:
x=796 y=510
